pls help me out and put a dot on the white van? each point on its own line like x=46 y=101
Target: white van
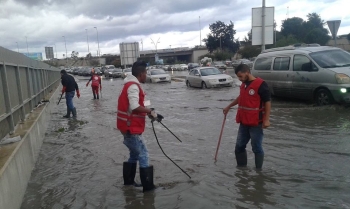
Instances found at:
x=317 y=73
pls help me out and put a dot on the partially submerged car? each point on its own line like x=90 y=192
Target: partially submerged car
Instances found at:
x=207 y=77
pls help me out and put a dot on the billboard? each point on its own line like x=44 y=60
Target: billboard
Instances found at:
x=34 y=55
x=257 y=25
x=129 y=52
x=49 y=52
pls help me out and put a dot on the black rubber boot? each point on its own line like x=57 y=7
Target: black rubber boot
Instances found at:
x=241 y=158
x=68 y=113
x=129 y=172
x=98 y=96
x=259 y=159
x=74 y=111
x=94 y=96
x=146 y=175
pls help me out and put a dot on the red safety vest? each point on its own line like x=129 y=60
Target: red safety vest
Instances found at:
x=133 y=122
x=95 y=80
x=249 y=104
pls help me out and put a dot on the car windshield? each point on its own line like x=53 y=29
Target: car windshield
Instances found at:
x=218 y=63
x=157 y=72
x=210 y=71
x=110 y=67
x=127 y=70
x=117 y=70
x=331 y=58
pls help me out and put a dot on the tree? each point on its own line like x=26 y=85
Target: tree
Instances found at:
x=317 y=35
x=221 y=35
x=88 y=56
x=249 y=51
x=286 y=41
x=293 y=26
x=74 y=55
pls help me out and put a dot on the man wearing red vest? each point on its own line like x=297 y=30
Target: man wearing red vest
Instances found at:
x=96 y=84
x=131 y=120
x=253 y=114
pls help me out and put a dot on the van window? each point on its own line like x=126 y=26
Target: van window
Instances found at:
x=281 y=63
x=331 y=58
x=263 y=63
x=302 y=63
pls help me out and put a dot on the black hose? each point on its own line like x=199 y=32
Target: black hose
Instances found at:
x=154 y=131
x=170 y=131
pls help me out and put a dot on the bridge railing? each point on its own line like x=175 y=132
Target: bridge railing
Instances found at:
x=24 y=82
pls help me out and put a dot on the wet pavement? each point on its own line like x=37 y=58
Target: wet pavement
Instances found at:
x=307 y=154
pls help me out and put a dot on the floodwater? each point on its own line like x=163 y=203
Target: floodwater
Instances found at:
x=307 y=155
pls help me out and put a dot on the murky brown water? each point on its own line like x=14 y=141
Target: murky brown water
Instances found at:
x=307 y=155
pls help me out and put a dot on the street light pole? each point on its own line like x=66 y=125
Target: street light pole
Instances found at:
x=27 y=46
x=87 y=40
x=98 y=43
x=200 y=32
x=263 y=26
x=65 y=44
x=56 y=50
x=17 y=47
x=155 y=44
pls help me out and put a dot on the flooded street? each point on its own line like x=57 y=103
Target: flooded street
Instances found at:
x=307 y=155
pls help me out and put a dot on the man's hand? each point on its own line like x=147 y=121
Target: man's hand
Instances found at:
x=78 y=94
x=226 y=110
x=266 y=123
x=63 y=89
x=87 y=84
x=154 y=116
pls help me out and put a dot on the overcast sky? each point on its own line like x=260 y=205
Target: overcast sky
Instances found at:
x=175 y=22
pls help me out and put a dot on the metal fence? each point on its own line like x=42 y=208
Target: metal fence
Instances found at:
x=24 y=82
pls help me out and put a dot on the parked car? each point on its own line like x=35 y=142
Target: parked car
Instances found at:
x=183 y=67
x=157 y=75
x=190 y=66
x=235 y=63
x=126 y=72
x=98 y=71
x=219 y=65
x=117 y=73
x=207 y=77
x=316 y=73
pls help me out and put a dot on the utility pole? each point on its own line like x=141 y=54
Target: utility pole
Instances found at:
x=98 y=43
x=17 y=47
x=155 y=44
x=27 y=46
x=142 y=44
x=56 y=51
x=65 y=44
x=200 y=32
x=263 y=26
x=87 y=40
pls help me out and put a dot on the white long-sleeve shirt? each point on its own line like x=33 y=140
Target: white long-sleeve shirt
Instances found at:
x=133 y=92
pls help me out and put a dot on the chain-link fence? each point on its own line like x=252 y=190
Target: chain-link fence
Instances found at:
x=24 y=82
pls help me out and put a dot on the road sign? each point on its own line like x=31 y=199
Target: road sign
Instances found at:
x=333 y=27
x=257 y=25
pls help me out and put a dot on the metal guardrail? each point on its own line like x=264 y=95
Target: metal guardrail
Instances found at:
x=24 y=82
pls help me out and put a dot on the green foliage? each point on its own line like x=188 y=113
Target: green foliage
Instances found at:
x=286 y=41
x=317 y=35
x=249 y=51
x=293 y=26
x=221 y=35
x=296 y=30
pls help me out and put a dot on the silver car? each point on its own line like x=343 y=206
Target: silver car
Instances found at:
x=126 y=72
x=319 y=73
x=157 y=76
x=207 y=77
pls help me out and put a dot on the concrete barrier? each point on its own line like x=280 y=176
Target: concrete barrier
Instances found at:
x=15 y=172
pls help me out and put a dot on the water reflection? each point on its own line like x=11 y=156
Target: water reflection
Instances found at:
x=135 y=199
x=251 y=186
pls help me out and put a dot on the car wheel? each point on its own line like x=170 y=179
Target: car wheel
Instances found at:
x=188 y=84
x=204 y=86
x=323 y=97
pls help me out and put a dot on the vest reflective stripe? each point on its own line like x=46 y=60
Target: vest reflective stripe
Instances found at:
x=130 y=122
x=250 y=106
x=133 y=115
